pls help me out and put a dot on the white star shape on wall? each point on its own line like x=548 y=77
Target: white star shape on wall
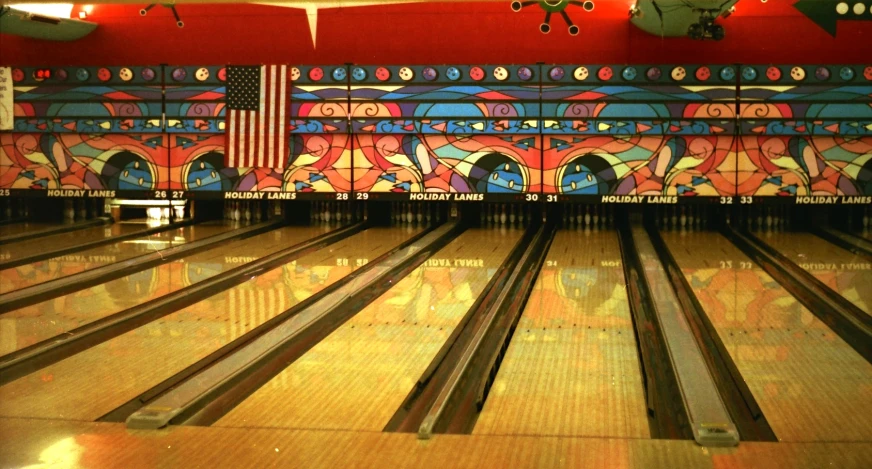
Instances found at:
x=312 y=9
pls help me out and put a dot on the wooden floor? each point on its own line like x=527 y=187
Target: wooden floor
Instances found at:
x=29 y=247
x=65 y=444
x=31 y=324
x=846 y=273
x=88 y=385
x=57 y=267
x=811 y=386
x=572 y=367
x=357 y=378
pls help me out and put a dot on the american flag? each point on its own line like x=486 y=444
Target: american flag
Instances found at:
x=257 y=102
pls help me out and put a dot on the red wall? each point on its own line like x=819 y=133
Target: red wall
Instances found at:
x=433 y=33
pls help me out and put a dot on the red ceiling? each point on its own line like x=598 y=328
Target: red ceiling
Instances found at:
x=433 y=33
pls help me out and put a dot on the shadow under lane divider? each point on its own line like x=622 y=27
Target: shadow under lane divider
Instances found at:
x=262 y=353
x=27 y=360
x=71 y=283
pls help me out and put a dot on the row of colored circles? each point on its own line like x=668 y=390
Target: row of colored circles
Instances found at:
x=124 y=74
x=580 y=73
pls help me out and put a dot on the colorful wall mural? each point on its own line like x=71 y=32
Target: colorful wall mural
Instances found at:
x=592 y=133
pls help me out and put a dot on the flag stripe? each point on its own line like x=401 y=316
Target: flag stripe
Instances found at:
x=257 y=101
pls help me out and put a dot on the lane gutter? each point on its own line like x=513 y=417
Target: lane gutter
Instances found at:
x=855 y=244
x=92 y=244
x=57 y=230
x=476 y=361
x=412 y=411
x=257 y=357
x=735 y=393
x=845 y=319
x=27 y=360
x=667 y=416
x=71 y=283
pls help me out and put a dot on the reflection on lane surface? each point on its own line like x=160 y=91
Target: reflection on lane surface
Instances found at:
x=31 y=247
x=844 y=272
x=358 y=376
x=38 y=272
x=809 y=383
x=96 y=381
x=572 y=367
x=25 y=227
x=31 y=324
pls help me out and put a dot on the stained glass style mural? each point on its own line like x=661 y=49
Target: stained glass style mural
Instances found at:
x=448 y=133
x=584 y=133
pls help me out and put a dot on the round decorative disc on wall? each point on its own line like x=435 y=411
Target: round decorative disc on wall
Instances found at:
x=524 y=73
x=339 y=73
x=358 y=73
x=429 y=73
x=147 y=74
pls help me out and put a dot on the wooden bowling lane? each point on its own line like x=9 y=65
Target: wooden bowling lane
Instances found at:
x=809 y=383
x=572 y=367
x=14 y=229
x=92 y=383
x=844 y=272
x=31 y=324
x=29 y=247
x=28 y=275
x=357 y=377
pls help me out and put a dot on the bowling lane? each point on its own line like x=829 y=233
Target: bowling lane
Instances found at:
x=572 y=367
x=15 y=229
x=88 y=385
x=844 y=272
x=809 y=383
x=28 y=275
x=41 y=321
x=358 y=376
x=29 y=247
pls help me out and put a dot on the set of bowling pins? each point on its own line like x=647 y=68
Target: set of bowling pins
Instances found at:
x=337 y=212
x=681 y=218
x=160 y=213
x=769 y=219
x=587 y=216
x=505 y=214
x=81 y=209
x=15 y=209
x=243 y=211
x=405 y=213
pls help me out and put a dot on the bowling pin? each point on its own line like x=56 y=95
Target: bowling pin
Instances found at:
x=429 y=214
x=69 y=212
x=587 y=217
x=595 y=218
x=236 y=214
x=409 y=216
x=503 y=217
x=683 y=218
x=521 y=215
x=512 y=216
x=420 y=214
x=365 y=212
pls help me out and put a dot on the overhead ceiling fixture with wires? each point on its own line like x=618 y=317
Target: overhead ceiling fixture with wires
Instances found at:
x=171 y=6
x=555 y=6
x=706 y=28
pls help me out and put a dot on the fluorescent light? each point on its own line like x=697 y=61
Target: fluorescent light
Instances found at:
x=57 y=10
